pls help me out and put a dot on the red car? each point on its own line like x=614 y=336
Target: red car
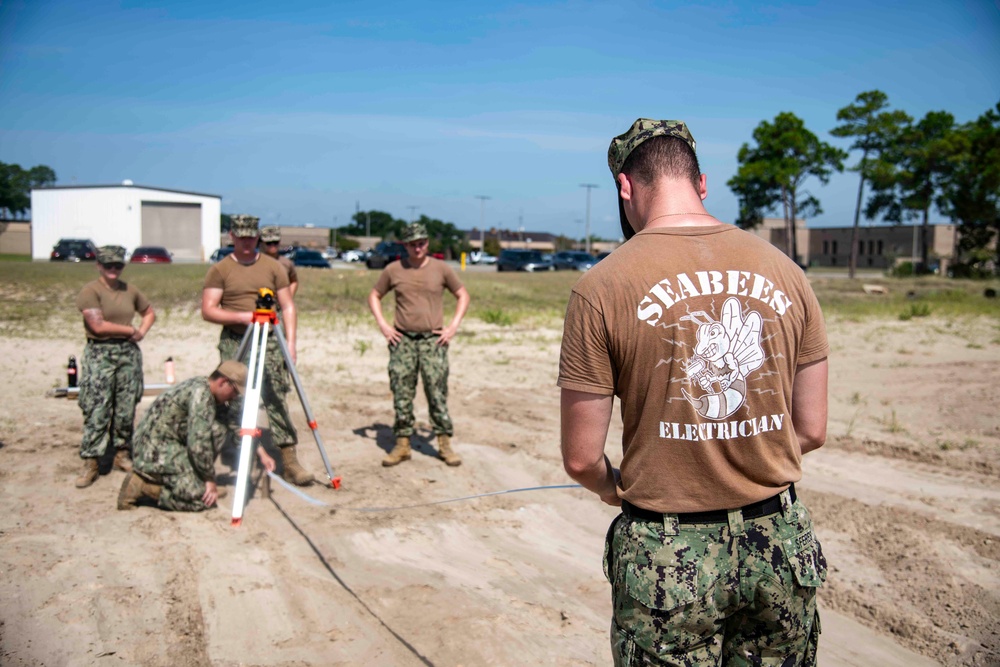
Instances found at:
x=151 y=254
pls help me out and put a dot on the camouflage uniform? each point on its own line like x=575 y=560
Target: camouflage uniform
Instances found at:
x=177 y=441
x=674 y=585
x=277 y=383
x=419 y=353
x=111 y=384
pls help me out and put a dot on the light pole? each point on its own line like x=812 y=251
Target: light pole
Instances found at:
x=482 y=222
x=412 y=212
x=589 y=186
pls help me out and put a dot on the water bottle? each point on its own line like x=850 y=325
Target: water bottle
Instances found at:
x=71 y=372
x=168 y=369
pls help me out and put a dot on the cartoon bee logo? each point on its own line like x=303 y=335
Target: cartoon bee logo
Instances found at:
x=726 y=352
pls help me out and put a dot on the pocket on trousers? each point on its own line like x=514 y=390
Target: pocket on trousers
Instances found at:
x=667 y=587
x=609 y=567
x=805 y=557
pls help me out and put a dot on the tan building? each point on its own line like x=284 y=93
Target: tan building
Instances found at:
x=15 y=237
x=541 y=241
x=773 y=231
x=881 y=246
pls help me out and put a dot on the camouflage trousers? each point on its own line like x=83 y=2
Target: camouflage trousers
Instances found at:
x=180 y=492
x=740 y=593
x=111 y=384
x=272 y=395
x=419 y=354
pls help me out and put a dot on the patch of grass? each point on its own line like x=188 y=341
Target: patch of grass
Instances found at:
x=496 y=316
x=361 y=346
x=892 y=423
x=856 y=398
x=6 y=257
x=843 y=298
x=915 y=310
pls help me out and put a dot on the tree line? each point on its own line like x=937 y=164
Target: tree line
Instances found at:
x=906 y=166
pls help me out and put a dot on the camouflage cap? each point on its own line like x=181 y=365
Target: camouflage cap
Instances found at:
x=110 y=254
x=236 y=371
x=641 y=130
x=270 y=234
x=413 y=232
x=243 y=226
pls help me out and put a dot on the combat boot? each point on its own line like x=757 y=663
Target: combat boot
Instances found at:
x=134 y=489
x=399 y=453
x=291 y=470
x=445 y=452
x=123 y=461
x=89 y=474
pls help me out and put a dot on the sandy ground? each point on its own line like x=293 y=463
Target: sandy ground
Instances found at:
x=905 y=495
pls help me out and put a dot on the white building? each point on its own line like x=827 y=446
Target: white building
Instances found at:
x=185 y=223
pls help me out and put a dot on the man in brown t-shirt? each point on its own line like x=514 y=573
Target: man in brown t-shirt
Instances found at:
x=270 y=240
x=229 y=298
x=418 y=343
x=715 y=345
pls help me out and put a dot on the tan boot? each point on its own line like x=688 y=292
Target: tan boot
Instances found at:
x=291 y=470
x=134 y=489
x=399 y=453
x=123 y=461
x=89 y=474
x=445 y=451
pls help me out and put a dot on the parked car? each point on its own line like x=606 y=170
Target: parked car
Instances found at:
x=602 y=255
x=151 y=254
x=573 y=260
x=73 y=250
x=352 y=256
x=222 y=252
x=477 y=257
x=522 y=260
x=384 y=253
x=306 y=257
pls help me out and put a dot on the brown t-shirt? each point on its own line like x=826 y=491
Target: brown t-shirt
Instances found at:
x=240 y=282
x=699 y=332
x=118 y=306
x=419 y=302
x=289 y=265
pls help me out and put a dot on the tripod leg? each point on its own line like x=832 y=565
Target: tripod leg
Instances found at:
x=241 y=351
x=248 y=423
x=334 y=481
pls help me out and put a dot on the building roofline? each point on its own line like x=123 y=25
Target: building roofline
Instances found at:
x=119 y=185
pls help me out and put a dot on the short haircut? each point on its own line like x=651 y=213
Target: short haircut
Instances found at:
x=216 y=375
x=663 y=156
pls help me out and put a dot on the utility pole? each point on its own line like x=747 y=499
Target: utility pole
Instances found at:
x=482 y=222
x=412 y=213
x=589 y=186
x=368 y=224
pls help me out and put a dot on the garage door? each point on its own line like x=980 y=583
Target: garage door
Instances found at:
x=176 y=227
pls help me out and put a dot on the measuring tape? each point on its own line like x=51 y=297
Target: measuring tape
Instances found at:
x=309 y=499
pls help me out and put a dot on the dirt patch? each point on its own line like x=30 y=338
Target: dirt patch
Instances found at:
x=905 y=496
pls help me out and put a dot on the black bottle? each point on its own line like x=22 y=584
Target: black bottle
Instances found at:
x=71 y=372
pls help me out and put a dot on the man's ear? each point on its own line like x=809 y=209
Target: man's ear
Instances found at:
x=625 y=187
x=703 y=186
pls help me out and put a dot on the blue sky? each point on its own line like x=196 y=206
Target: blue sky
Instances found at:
x=298 y=111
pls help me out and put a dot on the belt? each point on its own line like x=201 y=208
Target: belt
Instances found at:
x=760 y=508
x=109 y=341
x=418 y=335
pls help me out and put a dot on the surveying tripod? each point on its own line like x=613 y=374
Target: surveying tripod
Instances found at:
x=255 y=338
